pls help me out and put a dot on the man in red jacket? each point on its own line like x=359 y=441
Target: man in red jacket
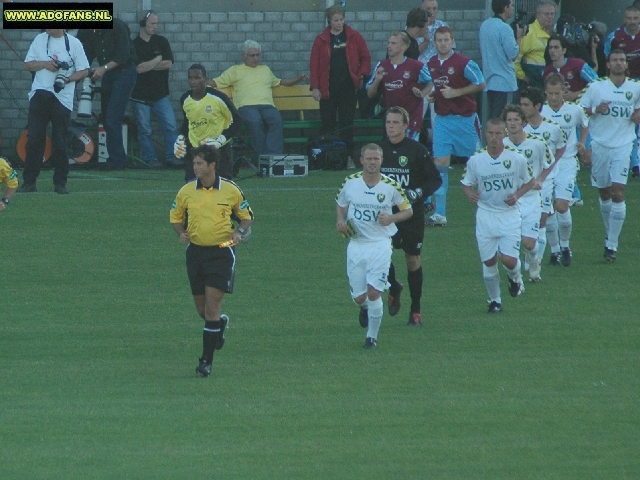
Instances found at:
x=339 y=63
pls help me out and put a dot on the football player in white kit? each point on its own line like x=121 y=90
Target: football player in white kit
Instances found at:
x=531 y=101
x=501 y=177
x=539 y=160
x=570 y=117
x=613 y=104
x=364 y=213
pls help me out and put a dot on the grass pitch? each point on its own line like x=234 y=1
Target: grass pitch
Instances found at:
x=100 y=340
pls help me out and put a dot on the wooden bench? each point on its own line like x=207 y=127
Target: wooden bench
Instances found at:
x=301 y=116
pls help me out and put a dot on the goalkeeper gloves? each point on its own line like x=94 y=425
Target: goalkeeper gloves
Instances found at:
x=180 y=147
x=413 y=195
x=217 y=142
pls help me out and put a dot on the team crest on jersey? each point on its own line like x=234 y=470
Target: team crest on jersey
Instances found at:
x=451 y=71
x=380 y=197
x=628 y=95
x=403 y=161
x=528 y=152
x=567 y=117
x=406 y=75
x=507 y=164
x=208 y=109
x=569 y=75
x=546 y=136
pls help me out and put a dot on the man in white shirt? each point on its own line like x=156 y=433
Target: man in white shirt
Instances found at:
x=614 y=106
x=364 y=213
x=501 y=177
x=570 y=117
x=58 y=62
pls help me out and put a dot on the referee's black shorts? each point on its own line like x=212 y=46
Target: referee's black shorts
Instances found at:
x=210 y=266
x=410 y=235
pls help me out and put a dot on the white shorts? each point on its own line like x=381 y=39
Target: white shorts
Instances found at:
x=498 y=232
x=530 y=210
x=565 y=178
x=610 y=165
x=546 y=193
x=368 y=264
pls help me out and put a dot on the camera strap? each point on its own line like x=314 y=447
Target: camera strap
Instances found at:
x=66 y=44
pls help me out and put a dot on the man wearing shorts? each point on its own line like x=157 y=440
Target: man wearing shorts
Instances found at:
x=539 y=162
x=570 y=117
x=613 y=104
x=531 y=101
x=501 y=177
x=201 y=216
x=409 y=163
x=364 y=213
x=456 y=130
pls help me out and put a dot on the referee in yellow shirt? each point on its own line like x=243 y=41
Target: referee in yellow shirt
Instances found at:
x=201 y=216
x=9 y=177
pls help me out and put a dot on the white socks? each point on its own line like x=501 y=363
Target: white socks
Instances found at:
x=375 y=317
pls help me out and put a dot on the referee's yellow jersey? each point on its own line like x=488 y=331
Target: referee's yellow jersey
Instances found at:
x=208 y=211
x=208 y=117
x=7 y=174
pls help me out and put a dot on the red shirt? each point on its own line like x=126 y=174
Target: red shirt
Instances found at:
x=629 y=45
x=451 y=74
x=397 y=85
x=571 y=72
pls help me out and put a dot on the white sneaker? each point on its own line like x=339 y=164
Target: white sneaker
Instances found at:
x=436 y=220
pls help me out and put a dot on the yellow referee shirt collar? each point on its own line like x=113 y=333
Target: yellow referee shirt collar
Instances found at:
x=216 y=184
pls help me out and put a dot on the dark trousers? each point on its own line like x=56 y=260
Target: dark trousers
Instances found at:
x=497 y=101
x=117 y=86
x=45 y=108
x=343 y=104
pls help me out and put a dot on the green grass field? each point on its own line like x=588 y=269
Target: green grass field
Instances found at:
x=99 y=341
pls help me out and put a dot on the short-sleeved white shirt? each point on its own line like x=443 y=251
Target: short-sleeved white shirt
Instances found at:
x=538 y=157
x=365 y=203
x=496 y=178
x=614 y=127
x=569 y=117
x=44 y=47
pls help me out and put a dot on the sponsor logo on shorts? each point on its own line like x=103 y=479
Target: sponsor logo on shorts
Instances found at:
x=403 y=161
x=381 y=197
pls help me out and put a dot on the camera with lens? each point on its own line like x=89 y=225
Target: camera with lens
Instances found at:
x=520 y=22
x=59 y=82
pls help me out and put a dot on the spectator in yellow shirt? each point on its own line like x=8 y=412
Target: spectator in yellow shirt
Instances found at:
x=530 y=62
x=252 y=96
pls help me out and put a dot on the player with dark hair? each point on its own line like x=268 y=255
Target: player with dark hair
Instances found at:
x=539 y=161
x=201 y=216
x=531 y=101
x=409 y=163
x=614 y=106
x=576 y=72
x=209 y=118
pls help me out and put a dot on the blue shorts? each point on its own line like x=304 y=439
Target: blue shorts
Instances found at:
x=456 y=135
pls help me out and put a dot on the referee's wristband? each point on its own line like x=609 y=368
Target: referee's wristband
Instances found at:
x=6 y=201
